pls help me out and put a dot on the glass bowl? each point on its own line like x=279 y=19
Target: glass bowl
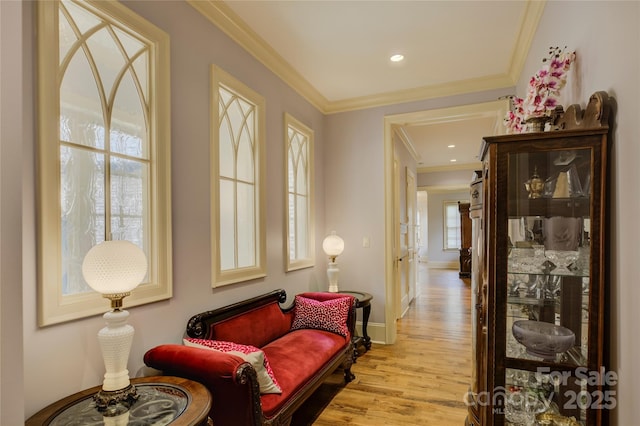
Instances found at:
x=543 y=339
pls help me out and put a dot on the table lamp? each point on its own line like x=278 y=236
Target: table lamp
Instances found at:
x=114 y=268
x=333 y=247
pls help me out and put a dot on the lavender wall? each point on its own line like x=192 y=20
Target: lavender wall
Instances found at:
x=605 y=35
x=13 y=86
x=445 y=178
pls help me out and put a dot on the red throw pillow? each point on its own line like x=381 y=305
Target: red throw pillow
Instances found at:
x=330 y=315
x=251 y=354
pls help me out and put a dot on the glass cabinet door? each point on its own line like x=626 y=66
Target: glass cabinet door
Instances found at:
x=547 y=282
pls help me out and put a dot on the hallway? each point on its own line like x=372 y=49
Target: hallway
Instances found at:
x=423 y=377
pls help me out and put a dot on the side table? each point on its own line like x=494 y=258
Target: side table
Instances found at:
x=162 y=400
x=363 y=301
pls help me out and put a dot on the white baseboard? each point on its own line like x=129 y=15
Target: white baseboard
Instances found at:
x=376 y=331
x=405 y=304
x=406 y=309
x=443 y=264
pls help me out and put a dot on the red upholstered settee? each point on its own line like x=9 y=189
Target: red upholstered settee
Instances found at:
x=300 y=359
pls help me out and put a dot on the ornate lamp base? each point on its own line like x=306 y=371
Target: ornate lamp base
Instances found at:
x=332 y=274
x=107 y=401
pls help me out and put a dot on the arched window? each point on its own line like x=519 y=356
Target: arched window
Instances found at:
x=237 y=167
x=103 y=150
x=300 y=240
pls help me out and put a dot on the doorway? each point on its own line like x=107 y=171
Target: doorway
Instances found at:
x=495 y=110
x=404 y=210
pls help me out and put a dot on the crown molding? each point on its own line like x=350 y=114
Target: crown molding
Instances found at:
x=222 y=16
x=407 y=142
x=421 y=93
x=530 y=20
x=495 y=109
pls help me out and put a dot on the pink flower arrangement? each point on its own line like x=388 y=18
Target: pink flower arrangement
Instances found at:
x=544 y=89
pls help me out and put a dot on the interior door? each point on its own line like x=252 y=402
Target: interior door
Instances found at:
x=404 y=237
x=412 y=260
x=397 y=240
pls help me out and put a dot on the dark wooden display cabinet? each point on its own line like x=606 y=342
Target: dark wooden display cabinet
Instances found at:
x=465 y=240
x=538 y=278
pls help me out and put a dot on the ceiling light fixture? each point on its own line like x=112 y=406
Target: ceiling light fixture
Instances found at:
x=396 y=58
x=451 y=146
x=453 y=160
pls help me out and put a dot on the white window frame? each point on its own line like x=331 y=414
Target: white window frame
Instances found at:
x=304 y=132
x=54 y=306
x=446 y=228
x=220 y=277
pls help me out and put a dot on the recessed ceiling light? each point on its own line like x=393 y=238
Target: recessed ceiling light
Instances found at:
x=396 y=58
x=453 y=160
x=451 y=146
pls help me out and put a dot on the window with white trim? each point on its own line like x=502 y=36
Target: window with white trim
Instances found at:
x=237 y=181
x=103 y=150
x=300 y=242
x=452 y=238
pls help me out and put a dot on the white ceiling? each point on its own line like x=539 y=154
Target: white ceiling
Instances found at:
x=438 y=144
x=336 y=54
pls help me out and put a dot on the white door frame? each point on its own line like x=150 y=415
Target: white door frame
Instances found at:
x=487 y=109
x=389 y=236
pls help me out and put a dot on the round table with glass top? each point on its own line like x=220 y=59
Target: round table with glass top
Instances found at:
x=162 y=400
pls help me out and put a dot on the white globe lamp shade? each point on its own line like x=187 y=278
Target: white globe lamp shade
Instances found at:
x=333 y=245
x=114 y=267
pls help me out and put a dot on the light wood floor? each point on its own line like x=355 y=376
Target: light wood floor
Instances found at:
x=422 y=378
